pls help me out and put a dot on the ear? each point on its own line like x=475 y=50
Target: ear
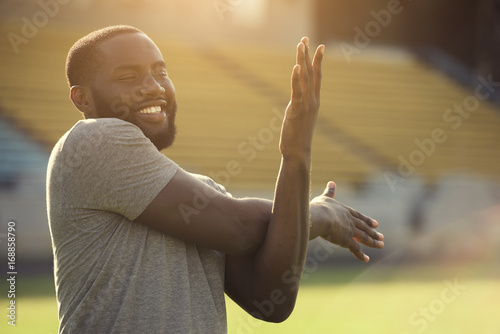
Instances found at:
x=82 y=99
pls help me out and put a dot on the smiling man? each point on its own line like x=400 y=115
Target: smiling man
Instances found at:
x=109 y=82
x=125 y=260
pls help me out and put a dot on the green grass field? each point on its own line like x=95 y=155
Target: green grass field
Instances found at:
x=375 y=300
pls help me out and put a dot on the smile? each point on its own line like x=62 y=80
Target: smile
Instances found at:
x=150 y=110
x=153 y=113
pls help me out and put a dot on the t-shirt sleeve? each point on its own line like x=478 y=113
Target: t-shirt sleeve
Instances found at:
x=119 y=169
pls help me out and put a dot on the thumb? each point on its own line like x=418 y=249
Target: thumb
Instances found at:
x=330 y=189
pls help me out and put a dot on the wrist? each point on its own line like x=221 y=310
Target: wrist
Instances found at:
x=297 y=159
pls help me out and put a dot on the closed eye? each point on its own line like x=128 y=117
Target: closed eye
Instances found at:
x=127 y=77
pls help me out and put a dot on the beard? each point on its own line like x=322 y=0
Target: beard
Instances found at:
x=161 y=136
x=163 y=139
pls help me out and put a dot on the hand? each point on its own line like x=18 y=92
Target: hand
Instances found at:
x=345 y=226
x=302 y=110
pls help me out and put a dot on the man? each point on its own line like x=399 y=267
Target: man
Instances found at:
x=126 y=257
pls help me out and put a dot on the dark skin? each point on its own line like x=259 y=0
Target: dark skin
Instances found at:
x=262 y=239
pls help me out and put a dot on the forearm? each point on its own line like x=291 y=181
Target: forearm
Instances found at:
x=284 y=249
x=271 y=276
x=258 y=211
x=258 y=214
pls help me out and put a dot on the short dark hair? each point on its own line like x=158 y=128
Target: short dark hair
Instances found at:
x=83 y=57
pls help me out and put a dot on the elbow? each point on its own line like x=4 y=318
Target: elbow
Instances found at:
x=270 y=312
x=276 y=308
x=279 y=317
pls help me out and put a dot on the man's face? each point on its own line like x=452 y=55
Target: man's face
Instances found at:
x=132 y=84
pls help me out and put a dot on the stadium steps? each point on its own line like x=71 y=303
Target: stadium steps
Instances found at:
x=18 y=155
x=382 y=107
x=372 y=112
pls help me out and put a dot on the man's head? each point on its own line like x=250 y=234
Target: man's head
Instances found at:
x=119 y=72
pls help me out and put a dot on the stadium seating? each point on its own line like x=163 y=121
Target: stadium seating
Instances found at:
x=376 y=115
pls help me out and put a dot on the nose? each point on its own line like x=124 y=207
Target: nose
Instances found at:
x=151 y=88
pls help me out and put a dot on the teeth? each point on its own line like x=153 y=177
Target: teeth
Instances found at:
x=150 y=110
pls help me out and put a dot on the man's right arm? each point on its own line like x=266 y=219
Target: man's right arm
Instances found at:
x=191 y=210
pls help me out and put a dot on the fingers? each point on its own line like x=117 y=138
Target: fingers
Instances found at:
x=365 y=225
x=368 y=238
x=302 y=60
x=364 y=231
x=305 y=41
x=317 y=62
x=349 y=242
x=311 y=71
x=296 y=86
x=330 y=190
x=355 y=249
x=371 y=222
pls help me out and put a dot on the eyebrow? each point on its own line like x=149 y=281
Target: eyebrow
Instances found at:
x=159 y=63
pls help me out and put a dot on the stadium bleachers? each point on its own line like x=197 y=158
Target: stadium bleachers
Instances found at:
x=373 y=113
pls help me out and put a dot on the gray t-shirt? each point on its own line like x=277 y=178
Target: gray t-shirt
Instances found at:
x=114 y=275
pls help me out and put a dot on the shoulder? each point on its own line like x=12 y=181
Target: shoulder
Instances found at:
x=92 y=140
x=104 y=126
x=102 y=132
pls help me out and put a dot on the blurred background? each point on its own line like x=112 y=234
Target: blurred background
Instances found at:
x=409 y=128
